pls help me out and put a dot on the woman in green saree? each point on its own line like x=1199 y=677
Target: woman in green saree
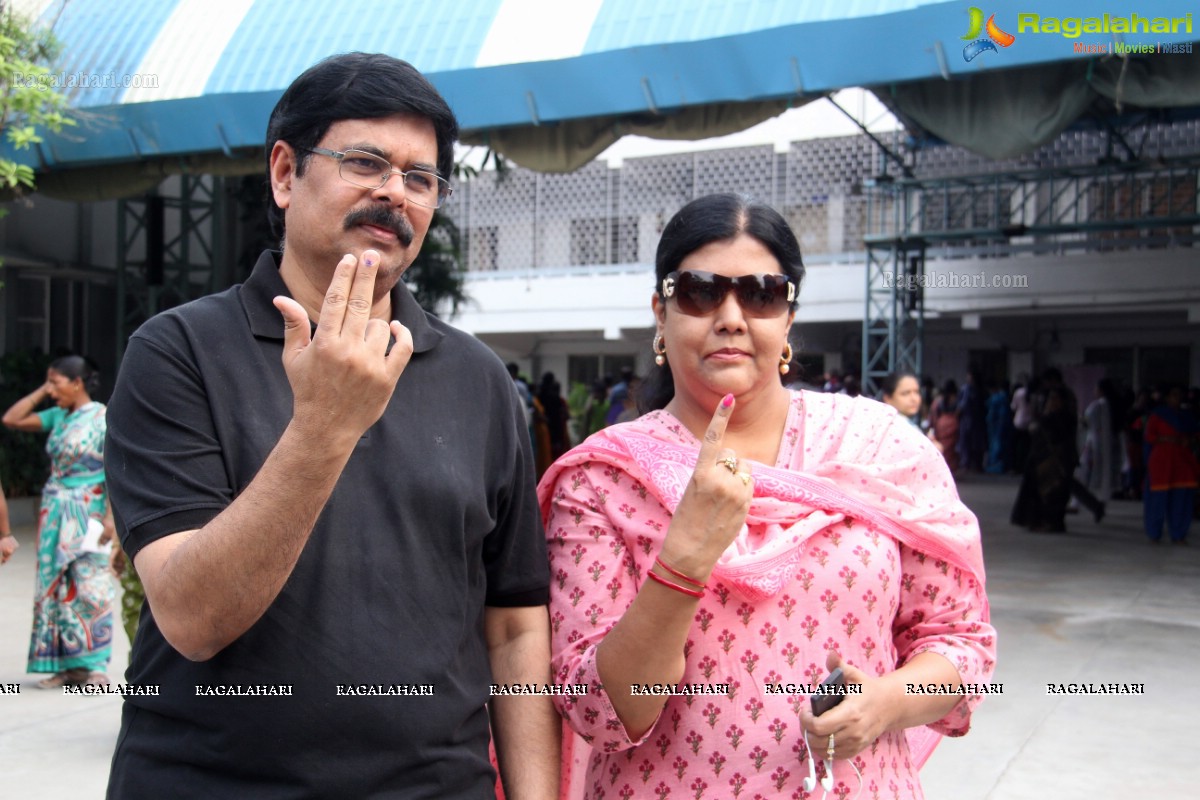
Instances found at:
x=73 y=600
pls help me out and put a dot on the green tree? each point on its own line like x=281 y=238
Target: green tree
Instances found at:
x=29 y=105
x=436 y=274
x=30 y=102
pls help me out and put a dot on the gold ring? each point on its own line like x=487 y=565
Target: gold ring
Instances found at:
x=745 y=476
x=730 y=463
x=829 y=751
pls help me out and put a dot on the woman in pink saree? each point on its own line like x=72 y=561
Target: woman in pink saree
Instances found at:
x=719 y=556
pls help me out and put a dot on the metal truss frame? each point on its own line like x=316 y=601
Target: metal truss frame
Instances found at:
x=166 y=250
x=1107 y=205
x=894 y=323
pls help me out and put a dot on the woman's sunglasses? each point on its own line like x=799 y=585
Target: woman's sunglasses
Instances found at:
x=700 y=293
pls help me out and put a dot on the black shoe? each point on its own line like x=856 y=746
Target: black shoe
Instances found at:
x=1099 y=513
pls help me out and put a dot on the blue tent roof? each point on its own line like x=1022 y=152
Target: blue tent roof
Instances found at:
x=213 y=89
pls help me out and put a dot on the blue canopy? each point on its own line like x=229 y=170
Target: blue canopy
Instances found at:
x=551 y=84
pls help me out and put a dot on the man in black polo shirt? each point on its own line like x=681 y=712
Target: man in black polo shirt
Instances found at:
x=335 y=522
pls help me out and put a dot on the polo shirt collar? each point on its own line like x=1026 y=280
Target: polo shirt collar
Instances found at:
x=264 y=284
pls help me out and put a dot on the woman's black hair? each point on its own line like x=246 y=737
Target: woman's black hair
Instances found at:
x=888 y=385
x=354 y=86
x=708 y=219
x=949 y=389
x=72 y=367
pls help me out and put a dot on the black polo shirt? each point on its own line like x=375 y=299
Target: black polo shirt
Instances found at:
x=433 y=518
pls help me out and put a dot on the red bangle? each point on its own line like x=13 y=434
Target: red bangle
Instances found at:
x=700 y=584
x=654 y=576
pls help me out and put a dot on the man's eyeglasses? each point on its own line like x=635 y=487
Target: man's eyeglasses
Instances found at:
x=699 y=293
x=371 y=172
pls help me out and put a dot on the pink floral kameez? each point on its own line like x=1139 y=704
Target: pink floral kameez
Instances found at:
x=856 y=541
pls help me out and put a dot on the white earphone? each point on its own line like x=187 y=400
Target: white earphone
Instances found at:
x=810 y=782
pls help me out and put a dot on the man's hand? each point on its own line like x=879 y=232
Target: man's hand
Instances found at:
x=209 y=585
x=343 y=377
x=527 y=730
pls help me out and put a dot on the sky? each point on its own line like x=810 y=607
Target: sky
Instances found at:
x=816 y=120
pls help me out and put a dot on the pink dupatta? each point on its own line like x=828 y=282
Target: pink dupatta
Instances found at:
x=855 y=458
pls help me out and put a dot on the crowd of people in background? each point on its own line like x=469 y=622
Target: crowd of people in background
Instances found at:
x=1125 y=445
x=1072 y=456
x=557 y=422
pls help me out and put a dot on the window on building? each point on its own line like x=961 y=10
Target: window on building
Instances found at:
x=1167 y=364
x=588 y=241
x=483 y=248
x=625 y=240
x=583 y=369
x=599 y=240
x=1140 y=366
x=32 y=331
x=588 y=369
x=1117 y=362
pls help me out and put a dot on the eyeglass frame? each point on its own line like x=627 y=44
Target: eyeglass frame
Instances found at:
x=732 y=285
x=340 y=157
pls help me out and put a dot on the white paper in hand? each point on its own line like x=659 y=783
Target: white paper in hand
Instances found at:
x=91 y=539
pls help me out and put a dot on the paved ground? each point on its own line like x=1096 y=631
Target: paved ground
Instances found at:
x=1096 y=605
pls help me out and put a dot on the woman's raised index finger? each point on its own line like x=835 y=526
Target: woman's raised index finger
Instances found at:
x=715 y=433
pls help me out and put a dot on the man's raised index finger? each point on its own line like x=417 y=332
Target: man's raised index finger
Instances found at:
x=333 y=307
x=362 y=293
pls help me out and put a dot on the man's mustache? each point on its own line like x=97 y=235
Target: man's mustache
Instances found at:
x=382 y=218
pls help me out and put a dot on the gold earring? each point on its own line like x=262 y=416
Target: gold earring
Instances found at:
x=660 y=350
x=784 y=369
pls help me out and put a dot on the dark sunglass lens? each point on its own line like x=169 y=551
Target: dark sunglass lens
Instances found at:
x=763 y=295
x=698 y=294
x=754 y=297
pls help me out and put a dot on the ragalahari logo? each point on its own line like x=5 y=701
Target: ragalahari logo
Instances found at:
x=995 y=36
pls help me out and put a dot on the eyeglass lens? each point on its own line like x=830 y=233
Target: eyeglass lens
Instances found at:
x=370 y=171
x=699 y=293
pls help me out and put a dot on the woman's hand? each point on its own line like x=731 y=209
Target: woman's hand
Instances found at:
x=8 y=546
x=108 y=532
x=714 y=505
x=857 y=721
x=20 y=415
x=883 y=705
x=116 y=559
x=647 y=645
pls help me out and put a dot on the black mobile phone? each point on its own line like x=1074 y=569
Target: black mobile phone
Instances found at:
x=823 y=702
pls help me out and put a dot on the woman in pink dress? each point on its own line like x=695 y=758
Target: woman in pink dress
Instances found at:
x=738 y=542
